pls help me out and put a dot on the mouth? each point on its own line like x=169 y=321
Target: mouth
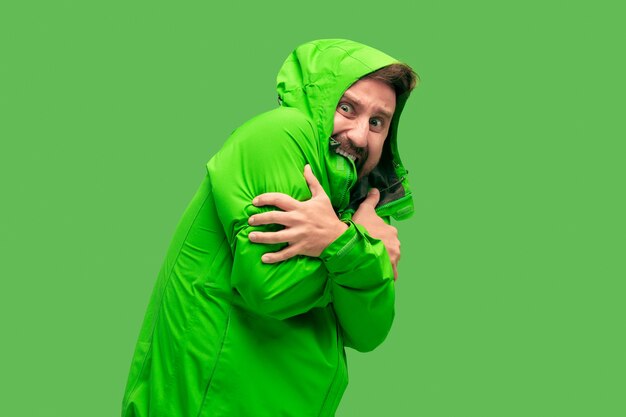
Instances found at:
x=351 y=157
x=343 y=147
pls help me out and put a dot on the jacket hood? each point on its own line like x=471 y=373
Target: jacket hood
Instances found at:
x=313 y=79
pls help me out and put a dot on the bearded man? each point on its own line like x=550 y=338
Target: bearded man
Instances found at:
x=286 y=254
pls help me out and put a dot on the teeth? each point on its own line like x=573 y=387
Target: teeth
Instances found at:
x=347 y=155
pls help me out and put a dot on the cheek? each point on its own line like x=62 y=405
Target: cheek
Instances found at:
x=376 y=149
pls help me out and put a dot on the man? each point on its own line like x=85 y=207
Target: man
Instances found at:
x=254 y=305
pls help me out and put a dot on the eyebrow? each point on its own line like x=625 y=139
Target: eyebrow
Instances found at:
x=378 y=110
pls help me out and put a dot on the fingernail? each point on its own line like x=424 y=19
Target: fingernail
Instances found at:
x=251 y=220
x=252 y=236
x=255 y=201
x=265 y=258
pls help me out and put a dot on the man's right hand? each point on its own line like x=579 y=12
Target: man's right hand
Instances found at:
x=366 y=216
x=310 y=226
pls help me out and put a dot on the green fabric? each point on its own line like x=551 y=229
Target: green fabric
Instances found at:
x=225 y=334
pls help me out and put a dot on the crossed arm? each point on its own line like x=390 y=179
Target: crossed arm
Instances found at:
x=311 y=225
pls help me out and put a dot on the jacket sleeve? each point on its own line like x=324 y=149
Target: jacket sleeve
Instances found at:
x=362 y=287
x=268 y=154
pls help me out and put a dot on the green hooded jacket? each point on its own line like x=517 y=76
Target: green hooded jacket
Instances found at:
x=227 y=335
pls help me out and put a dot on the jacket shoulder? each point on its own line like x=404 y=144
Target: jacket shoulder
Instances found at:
x=278 y=123
x=273 y=136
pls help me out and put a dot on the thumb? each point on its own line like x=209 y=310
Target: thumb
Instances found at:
x=314 y=184
x=373 y=196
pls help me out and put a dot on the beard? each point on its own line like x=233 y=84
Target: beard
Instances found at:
x=345 y=144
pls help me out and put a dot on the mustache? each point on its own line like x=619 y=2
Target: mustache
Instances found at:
x=343 y=142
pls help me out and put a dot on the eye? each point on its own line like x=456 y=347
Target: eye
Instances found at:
x=345 y=107
x=376 y=122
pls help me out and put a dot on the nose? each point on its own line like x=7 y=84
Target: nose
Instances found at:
x=358 y=132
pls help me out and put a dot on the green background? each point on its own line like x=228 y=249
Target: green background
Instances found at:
x=510 y=300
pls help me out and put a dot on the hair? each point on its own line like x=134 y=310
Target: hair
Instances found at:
x=398 y=76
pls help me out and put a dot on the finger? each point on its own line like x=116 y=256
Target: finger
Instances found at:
x=281 y=236
x=280 y=200
x=395 y=272
x=314 y=185
x=283 y=255
x=372 y=199
x=271 y=217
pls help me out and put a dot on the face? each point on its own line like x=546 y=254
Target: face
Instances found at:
x=362 y=122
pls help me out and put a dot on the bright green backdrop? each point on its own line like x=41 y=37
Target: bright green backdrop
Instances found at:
x=511 y=291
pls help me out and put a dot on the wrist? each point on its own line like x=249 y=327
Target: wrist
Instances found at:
x=341 y=228
x=338 y=229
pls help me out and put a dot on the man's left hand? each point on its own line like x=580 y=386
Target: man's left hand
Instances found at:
x=310 y=226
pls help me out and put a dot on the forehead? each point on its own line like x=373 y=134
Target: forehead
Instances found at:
x=372 y=95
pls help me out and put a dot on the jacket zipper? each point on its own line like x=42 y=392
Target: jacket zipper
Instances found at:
x=348 y=184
